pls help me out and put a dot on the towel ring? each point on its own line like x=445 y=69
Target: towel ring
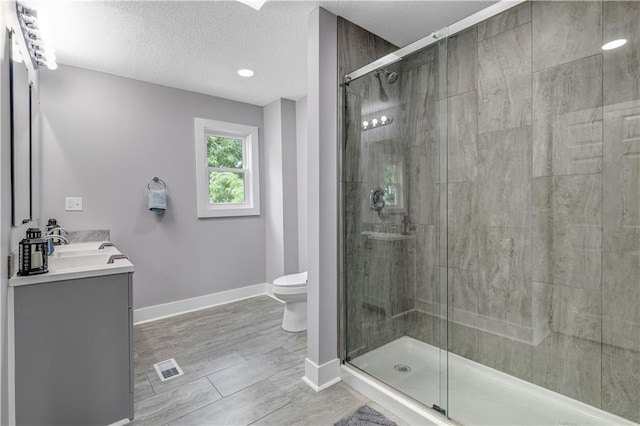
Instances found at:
x=156 y=179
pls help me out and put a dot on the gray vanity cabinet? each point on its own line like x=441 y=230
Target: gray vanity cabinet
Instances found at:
x=74 y=351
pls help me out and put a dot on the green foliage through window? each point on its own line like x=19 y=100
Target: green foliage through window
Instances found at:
x=224 y=152
x=225 y=186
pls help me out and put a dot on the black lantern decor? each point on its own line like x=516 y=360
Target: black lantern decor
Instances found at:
x=33 y=254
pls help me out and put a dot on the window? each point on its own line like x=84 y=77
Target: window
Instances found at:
x=393 y=172
x=227 y=178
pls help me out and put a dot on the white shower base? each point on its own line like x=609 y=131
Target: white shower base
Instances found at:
x=478 y=395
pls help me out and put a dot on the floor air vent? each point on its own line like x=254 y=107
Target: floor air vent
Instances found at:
x=168 y=369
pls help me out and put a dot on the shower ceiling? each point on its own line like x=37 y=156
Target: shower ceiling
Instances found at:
x=199 y=45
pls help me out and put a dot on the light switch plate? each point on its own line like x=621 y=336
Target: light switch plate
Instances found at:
x=73 y=204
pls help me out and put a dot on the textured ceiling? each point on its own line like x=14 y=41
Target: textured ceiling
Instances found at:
x=199 y=45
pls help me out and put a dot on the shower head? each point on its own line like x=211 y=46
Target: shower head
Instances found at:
x=391 y=76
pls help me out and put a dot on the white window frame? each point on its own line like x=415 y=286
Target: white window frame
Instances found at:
x=249 y=135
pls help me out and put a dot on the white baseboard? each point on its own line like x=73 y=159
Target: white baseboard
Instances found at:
x=402 y=407
x=321 y=377
x=153 y=313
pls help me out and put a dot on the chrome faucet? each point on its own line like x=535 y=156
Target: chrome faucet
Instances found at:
x=64 y=240
x=58 y=230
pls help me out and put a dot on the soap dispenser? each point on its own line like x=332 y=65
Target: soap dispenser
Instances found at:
x=33 y=254
x=53 y=229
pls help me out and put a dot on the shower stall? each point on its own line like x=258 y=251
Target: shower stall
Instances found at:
x=490 y=217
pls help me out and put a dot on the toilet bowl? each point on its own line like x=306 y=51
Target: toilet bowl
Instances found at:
x=292 y=290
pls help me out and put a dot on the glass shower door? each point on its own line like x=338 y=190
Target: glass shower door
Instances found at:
x=394 y=224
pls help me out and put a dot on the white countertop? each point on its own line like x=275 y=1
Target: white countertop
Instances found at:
x=75 y=267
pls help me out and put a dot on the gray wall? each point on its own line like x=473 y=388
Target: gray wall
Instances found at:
x=281 y=203
x=301 y=153
x=322 y=338
x=104 y=138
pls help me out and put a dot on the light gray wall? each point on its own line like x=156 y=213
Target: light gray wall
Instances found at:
x=301 y=153
x=281 y=202
x=104 y=138
x=289 y=186
x=274 y=225
x=322 y=98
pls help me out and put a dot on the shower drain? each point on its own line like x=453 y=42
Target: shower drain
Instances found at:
x=402 y=368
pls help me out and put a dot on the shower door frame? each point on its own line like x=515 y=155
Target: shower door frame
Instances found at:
x=386 y=60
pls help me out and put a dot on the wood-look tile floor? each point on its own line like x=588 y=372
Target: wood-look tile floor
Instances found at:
x=239 y=367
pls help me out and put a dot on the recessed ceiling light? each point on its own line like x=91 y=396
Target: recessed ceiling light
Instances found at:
x=245 y=73
x=614 y=44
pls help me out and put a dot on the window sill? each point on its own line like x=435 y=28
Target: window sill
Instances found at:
x=227 y=211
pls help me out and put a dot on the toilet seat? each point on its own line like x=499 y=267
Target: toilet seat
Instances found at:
x=291 y=280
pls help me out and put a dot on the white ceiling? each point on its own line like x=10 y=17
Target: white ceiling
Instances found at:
x=199 y=45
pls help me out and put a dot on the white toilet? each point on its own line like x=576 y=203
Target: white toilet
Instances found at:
x=292 y=290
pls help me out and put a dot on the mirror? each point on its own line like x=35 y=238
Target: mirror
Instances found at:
x=20 y=94
x=36 y=153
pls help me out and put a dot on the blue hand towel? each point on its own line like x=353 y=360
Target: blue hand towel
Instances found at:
x=158 y=200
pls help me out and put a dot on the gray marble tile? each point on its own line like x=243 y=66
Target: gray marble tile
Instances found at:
x=567 y=230
x=504 y=178
x=357 y=47
x=89 y=235
x=443 y=242
x=463 y=340
x=311 y=408
x=426 y=328
x=504 y=288
x=357 y=218
x=420 y=105
x=167 y=406
x=621 y=76
x=196 y=366
x=621 y=385
x=422 y=183
x=265 y=341
x=462 y=226
x=577 y=312
x=541 y=311
x=620 y=290
x=567 y=118
x=247 y=373
x=564 y=31
x=505 y=354
x=511 y=18
x=462 y=62
x=570 y=366
x=354 y=298
x=142 y=388
x=463 y=290
x=241 y=408
x=622 y=169
x=290 y=382
x=352 y=150
x=424 y=270
x=504 y=80
x=463 y=138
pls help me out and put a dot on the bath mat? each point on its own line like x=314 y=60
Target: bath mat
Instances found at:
x=365 y=416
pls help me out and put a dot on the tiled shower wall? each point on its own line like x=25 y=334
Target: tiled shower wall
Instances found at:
x=544 y=198
x=522 y=182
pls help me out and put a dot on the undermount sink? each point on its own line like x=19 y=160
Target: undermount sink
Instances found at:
x=75 y=247
x=77 y=251
x=78 y=260
x=68 y=262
